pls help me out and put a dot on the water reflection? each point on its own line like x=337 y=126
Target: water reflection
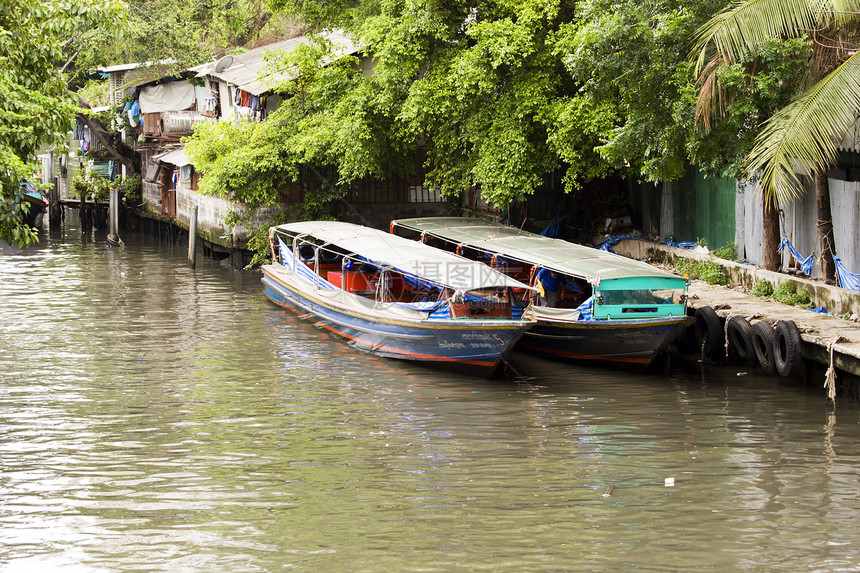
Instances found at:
x=161 y=418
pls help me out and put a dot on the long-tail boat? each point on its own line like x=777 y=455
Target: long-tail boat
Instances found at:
x=611 y=309
x=394 y=297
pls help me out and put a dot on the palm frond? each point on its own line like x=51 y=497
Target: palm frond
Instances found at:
x=736 y=30
x=709 y=94
x=845 y=10
x=807 y=132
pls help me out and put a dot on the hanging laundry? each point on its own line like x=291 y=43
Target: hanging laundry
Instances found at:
x=263 y=111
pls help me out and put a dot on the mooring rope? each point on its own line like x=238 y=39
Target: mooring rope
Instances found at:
x=726 y=333
x=830 y=375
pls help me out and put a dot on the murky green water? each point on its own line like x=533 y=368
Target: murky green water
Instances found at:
x=159 y=418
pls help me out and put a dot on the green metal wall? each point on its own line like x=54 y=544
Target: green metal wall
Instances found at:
x=704 y=208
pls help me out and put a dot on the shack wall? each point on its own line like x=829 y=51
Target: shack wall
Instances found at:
x=798 y=222
x=703 y=208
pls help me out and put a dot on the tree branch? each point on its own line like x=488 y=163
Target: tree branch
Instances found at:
x=113 y=144
x=69 y=62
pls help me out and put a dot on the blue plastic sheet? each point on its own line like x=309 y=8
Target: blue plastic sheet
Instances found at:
x=607 y=244
x=682 y=244
x=805 y=264
x=551 y=230
x=847 y=279
x=822 y=310
x=585 y=309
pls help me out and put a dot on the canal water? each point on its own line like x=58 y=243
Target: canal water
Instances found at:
x=159 y=418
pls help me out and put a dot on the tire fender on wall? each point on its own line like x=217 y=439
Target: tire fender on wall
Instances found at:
x=787 y=349
x=740 y=336
x=709 y=332
x=763 y=346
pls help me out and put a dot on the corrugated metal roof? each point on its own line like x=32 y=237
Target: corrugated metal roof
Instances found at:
x=245 y=69
x=176 y=157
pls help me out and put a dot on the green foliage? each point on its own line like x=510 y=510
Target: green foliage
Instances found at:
x=630 y=57
x=327 y=134
x=805 y=133
x=786 y=293
x=96 y=93
x=750 y=91
x=728 y=251
x=709 y=271
x=762 y=289
x=130 y=189
x=89 y=184
x=498 y=97
x=176 y=33
x=35 y=108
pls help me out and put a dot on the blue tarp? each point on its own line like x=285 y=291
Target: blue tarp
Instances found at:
x=805 y=264
x=822 y=310
x=607 y=244
x=551 y=230
x=585 y=309
x=682 y=244
x=614 y=240
x=301 y=268
x=847 y=279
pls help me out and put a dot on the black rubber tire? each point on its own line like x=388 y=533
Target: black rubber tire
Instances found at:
x=686 y=342
x=740 y=335
x=763 y=346
x=709 y=332
x=787 y=349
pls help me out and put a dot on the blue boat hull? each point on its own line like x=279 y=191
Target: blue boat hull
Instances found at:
x=472 y=347
x=37 y=207
x=629 y=343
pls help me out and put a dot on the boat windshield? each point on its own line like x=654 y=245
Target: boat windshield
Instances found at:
x=639 y=303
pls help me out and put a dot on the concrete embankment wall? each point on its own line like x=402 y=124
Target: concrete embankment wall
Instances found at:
x=819 y=333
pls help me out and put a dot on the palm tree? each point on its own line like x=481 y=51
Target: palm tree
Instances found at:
x=806 y=133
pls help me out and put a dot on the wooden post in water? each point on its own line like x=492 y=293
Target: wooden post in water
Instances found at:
x=113 y=216
x=192 y=237
x=55 y=209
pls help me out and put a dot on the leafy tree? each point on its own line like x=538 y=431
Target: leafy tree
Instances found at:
x=36 y=108
x=499 y=94
x=748 y=93
x=176 y=33
x=629 y=57
x=805 y=132
x=171 y=35
x=481 y=87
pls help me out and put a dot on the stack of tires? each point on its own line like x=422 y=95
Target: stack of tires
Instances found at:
x=777 y=349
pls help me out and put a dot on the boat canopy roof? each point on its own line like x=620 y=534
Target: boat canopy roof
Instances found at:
x=411 y=257
x=554 y=254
